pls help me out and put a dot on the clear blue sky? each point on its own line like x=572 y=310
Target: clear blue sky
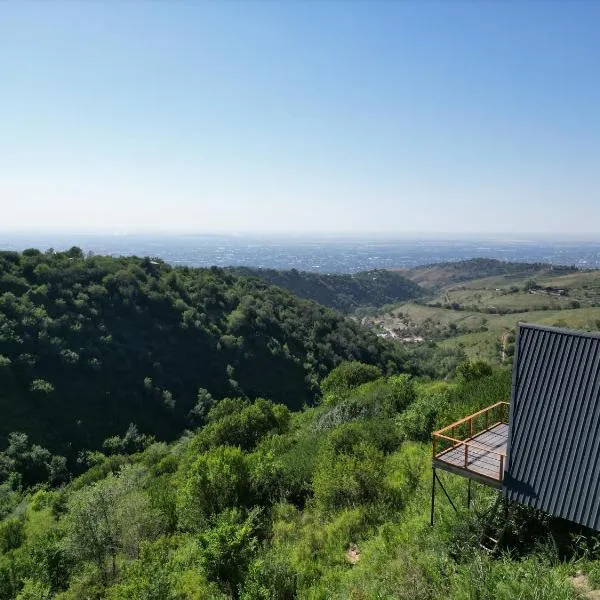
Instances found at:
x=476 y=117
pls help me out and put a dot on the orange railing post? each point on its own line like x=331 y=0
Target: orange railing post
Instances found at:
x=452 y=427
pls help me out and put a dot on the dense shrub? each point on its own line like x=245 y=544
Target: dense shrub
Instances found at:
x=346 y=377
x=215 y=481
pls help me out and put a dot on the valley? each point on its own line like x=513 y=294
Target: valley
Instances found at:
x=475 y=305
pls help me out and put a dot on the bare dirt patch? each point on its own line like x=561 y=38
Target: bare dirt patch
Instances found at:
x=581 y=584
x=353 y=554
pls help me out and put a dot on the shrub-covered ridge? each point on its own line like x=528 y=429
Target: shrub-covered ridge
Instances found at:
x=262 y=503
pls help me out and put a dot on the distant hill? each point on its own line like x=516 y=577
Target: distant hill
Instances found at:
x=345 y=293
x=440 y=274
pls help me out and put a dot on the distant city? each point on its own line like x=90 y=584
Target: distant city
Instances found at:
x=324 y=254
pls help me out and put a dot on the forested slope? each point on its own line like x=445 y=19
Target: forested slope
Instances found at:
x=331 y=503
x=89 y=345
x=345 y=293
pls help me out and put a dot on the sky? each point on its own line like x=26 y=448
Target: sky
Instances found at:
x=300 y=116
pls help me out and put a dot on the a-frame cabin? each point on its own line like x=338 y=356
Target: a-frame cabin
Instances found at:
x=542 y=450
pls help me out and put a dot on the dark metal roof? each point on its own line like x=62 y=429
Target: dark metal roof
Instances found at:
x=553 y=461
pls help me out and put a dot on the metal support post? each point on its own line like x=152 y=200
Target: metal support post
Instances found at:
x=469 y=494
x=446 y=494
x=433 y=478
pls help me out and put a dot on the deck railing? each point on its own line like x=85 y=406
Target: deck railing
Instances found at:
x=461 y=432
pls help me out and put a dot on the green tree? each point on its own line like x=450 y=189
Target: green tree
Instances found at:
x=214 y=481
x=350 y=478
x=228 y=548
x=42 y=386
x=11 y=534
x=204 y=402
x=107 y=517
x=347 y=376
x=242 y=424
x=473 y=369
x=34 y=590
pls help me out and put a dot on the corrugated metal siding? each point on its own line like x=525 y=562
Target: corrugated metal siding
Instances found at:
x=553 y=460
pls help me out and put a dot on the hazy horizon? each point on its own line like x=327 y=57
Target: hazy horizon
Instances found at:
x=408 y=118
x=519 y=237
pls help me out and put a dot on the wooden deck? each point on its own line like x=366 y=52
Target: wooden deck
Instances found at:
x=475 y=446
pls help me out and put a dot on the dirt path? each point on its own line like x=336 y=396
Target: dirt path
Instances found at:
x=504 y=342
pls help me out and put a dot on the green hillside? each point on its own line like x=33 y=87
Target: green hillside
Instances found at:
x=90 y=345
x=440 y=274
x=330 y=503
x=345 y=293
